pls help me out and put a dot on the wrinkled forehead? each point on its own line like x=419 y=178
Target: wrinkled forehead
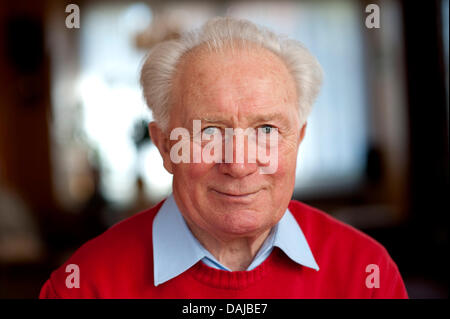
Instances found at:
x=232 y=80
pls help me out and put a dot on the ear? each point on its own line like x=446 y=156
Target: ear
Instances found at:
x=161 y=141
x=302 y=132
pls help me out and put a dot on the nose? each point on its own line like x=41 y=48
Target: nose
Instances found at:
x=237 y=170
x=243 y=163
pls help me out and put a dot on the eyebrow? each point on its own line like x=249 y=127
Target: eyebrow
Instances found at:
x=270 y=117
x=277 y=116
x=213 y=119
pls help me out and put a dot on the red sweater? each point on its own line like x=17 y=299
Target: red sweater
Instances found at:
x=119 y=264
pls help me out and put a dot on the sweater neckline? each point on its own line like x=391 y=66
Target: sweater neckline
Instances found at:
x=224 y=279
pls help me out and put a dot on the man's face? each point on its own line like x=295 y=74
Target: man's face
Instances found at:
x=243 y=89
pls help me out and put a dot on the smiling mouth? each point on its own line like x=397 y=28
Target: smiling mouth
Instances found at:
x=237 y=196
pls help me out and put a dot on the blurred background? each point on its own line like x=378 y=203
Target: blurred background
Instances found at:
x=76 y=158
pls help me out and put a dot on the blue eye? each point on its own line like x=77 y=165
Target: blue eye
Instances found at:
x=267 y=129
x=210 y=130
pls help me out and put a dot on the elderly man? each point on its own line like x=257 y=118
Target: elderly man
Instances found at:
x=223 y=97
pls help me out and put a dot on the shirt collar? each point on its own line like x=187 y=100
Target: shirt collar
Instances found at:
x=291 y=240
x=175 y=249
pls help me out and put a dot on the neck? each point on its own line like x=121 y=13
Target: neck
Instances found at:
x=234 y=253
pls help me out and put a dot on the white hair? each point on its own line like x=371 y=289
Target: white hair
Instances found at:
x=161 y=62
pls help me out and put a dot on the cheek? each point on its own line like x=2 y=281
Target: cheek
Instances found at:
x=193 y=174
x=284 y=178
x=287 y=163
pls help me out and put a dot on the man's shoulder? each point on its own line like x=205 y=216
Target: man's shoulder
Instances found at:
x=346 y=256
x=323 y=230
x=122 y=236
x=125 y=246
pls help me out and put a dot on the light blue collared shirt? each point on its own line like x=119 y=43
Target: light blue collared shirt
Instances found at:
x=175 y=249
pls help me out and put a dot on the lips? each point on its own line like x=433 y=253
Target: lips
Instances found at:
x=236 y=195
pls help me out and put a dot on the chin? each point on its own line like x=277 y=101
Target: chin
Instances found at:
x=243 y=223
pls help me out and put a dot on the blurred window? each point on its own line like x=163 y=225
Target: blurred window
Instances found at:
x=333 y=153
